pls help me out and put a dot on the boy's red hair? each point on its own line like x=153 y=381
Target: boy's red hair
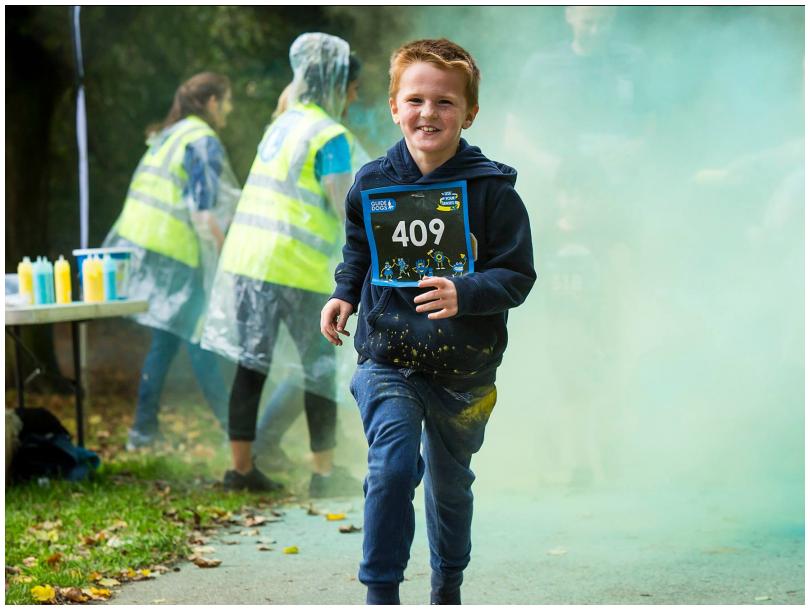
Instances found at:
x=442 y=53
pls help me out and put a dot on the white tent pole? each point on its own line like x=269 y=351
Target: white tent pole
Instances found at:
x=81 y=133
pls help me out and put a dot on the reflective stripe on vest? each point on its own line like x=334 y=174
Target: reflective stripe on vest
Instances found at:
x=155 y=216
x=285 y=231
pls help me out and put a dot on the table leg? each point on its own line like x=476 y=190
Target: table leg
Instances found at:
x=15 y=331
x=77 y=382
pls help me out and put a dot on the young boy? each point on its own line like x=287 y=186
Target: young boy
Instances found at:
x=428 y=346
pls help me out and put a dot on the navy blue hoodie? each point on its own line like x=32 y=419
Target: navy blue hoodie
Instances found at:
x=463 y=351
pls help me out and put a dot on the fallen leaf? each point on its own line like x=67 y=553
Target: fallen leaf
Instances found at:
x=54 y=559
x=264 y=548
x=22 y=579
x=96 y=593
x=557 y=551
x=276 y=513
x=204 y=549
x=30 y=562
x=202 y=562
x=95 y=576
x=311 y=510
x=43 y=593
x=158 y=601
x=254 y=521
x=12 y=570
x=230 y=542
x=145 y=572
x=46 y=535
x=51 y=525
x=349 y=529
x=291 y=550
x=73 y=594
x=160 y=569
x=115 y=542
x=335 y=516
x=762 y=598
x=117 y=525
x=249 y=533
x=108 y=582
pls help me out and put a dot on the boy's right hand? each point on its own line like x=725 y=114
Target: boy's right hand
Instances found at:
x=334 y=316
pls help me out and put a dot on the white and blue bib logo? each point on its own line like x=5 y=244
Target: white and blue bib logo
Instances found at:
x=383 y=205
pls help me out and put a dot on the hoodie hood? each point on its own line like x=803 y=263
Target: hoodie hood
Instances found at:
x=468 y=163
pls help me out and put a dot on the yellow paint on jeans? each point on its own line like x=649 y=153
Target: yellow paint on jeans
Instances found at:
x=478 y=411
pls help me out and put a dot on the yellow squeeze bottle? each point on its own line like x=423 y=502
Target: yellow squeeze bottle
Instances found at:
x=62 y=280
x=25 y=274
x=92 y=280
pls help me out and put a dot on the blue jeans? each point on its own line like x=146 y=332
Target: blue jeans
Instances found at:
x=206 y=367
x=394 y=403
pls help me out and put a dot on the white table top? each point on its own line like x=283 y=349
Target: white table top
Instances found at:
x=48 y=314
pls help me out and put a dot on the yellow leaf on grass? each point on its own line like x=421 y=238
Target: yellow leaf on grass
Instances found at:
x=30 y=562
x=95 y=576
x=145 y=572
x=291 y=550
x=22 y=579
x=43 y=593
x=335 y=516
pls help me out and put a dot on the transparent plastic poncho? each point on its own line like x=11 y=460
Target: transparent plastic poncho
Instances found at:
x=178 y=294
x=248 y=320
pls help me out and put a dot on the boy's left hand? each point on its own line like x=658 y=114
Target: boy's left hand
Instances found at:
x=443 y=298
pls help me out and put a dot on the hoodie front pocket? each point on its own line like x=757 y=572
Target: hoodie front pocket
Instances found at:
x=379 y=308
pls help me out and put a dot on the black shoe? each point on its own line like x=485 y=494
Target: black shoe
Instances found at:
x=252 y=481
x=337 y=483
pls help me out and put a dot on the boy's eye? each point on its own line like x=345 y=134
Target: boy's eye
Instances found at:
x=415 y=100
x=445 y=102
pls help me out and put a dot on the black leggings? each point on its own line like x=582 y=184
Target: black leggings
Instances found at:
x=262 y=308
x=244 y=407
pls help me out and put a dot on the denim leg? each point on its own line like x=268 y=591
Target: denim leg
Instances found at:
x=153 y=375
x=392 y=413
x=207 y=370
x=454 y=431
x=283 y=408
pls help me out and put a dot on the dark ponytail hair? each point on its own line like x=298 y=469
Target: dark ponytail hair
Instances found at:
x=191 y=98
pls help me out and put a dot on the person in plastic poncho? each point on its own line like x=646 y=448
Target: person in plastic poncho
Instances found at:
x=276 y=265
x=178 y=207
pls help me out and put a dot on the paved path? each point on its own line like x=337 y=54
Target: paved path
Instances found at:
x=616 y=547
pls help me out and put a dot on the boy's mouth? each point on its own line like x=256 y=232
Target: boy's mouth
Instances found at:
x=427 y=129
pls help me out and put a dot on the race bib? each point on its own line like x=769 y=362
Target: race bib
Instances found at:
x=415 y=232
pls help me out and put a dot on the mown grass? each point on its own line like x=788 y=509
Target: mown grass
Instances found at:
x=138 y=512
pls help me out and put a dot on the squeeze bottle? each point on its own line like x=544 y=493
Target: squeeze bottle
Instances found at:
x=49 y=281
x=25 y=273
x=109 y=268
x=41 y=292
x=92 y=282
x=62 y=280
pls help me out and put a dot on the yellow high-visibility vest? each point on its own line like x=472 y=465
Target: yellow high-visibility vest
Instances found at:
x=155 y=216
x=285 y=230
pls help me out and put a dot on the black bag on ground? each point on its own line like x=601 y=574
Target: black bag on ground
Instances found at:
x=45 y=450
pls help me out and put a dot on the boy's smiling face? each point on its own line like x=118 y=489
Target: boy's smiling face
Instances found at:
x=431 y=109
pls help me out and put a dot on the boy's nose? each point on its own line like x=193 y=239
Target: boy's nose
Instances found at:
x=428 y=110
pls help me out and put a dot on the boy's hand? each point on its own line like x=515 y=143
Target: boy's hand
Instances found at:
x=443 y=298
x=334 y=316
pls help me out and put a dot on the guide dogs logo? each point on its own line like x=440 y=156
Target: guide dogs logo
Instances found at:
x=383 y=205
x=448 y=202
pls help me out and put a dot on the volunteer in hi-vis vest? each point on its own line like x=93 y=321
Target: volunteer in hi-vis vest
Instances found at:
x=276 y=265
x=177 y=210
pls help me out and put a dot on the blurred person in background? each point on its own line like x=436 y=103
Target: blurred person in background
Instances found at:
x=277 y=261
x=178 y=207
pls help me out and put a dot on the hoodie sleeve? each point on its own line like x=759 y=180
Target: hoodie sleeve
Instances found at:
x=351 y=273
x=504 y=280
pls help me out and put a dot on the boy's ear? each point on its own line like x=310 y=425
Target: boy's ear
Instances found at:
x=392 y=103
x=468 y=120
